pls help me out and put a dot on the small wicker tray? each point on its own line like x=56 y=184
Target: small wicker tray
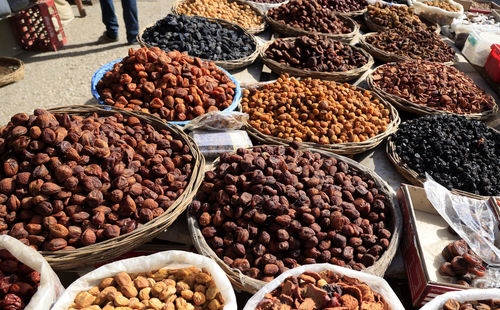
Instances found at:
x=247 y=284
x=420 y=109
x=109 y=249
x=7 y=75
x=340 y=76
x=226 y=64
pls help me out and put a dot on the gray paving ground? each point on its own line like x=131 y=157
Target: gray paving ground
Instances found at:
x=63 y=77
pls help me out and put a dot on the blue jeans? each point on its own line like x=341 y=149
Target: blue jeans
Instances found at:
x=129 y=15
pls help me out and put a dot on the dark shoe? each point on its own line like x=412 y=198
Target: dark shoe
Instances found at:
x=133 y=41
x=106 y=38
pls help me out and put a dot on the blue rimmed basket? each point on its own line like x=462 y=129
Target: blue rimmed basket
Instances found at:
x=102 y=70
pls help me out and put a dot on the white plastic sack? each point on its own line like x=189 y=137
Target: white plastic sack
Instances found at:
x=461 y=296
x=167 y=259
x=264 y=7
x=435 y=14
x=50 y=287
x=377 y=284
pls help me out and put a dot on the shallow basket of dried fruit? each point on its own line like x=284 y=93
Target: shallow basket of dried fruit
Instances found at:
x=378 y=28
x=420 y=109
x=288 y=31
x=340 y=76
x=11 y=70
x=226 y=64
x=251 y=285
x=252 y=30
x=111 y=248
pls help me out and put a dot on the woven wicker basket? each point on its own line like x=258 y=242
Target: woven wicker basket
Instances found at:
x=252 y=30
x=411 y=175
x=388 y=57
x=377 y=28
x=226 y=64
x=288 y=31
x=420 y=109
x=354 y=13
x=108 y=249
x=6 y=75
x=339 y=76
x=251 y=285
x=349 y=148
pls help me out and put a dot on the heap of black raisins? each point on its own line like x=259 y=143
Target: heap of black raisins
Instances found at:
x=199 y=37
x=457 y=152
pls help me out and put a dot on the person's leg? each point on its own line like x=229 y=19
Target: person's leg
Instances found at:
x=109 y=18
x=131 y=20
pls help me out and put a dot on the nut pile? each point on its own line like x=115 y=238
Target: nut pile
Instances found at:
x=268 y=1
x=434 y=85
x=172 y=86
x=199 y=37
x=445 y=5
x=309 y=15
x=488 y=304
x=316 y=53
x=323 y=290
x=437 y=144
x=461 y=262
x=312 y=110
x=272 y=208
x=238 y=13
x=417 y=44
x=395 y=17
x=69 y=181
x=167 y=289
x=344 y=5
x=18 y=282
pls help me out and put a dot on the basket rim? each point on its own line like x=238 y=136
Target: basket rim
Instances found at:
x=356 y=72
x=353 y=13
x=420 y=109
x=190 y=189
x=252 y=285
x=348 y=148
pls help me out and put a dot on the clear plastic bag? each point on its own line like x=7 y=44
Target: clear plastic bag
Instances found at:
x=264 y=7
x=218 y=120
x=461 y=296
x=435 y=14
x=213 y=143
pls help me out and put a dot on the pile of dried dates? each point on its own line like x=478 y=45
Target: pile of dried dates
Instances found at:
x=437 y=145
x=434 y=85
x=462 y=263
x=390 y=16
x=344 y=6
x=316 y=53
x=488 y=304
x=199 y=37
x=413 y=44
x=311 y=16
x=267 y=209
x=323 y=290
x=69 y=181
x=445 y=5
x=18 y=282
x=172 y=86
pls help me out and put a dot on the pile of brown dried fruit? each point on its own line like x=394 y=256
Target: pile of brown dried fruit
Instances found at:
x=69 y=181
x=272 y=208
x=316 y=53
x=434 y=85
x=462 y=263
x=413 y=44
x=395 y=17
x=18 y=282
x=323 y=290
x=487 y=304
x=312 y=110
x=445 y=5
x=172 y=86
x=167 y=289
x=309 y=15
x=344 y=5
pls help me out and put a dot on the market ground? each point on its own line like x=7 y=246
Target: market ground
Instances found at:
x=62 y=78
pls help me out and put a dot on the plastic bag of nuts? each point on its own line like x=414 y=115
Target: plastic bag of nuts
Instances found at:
x=439 y=302
x=167 y=280
x=49 y=287
x=309 y=274
x=436 y=14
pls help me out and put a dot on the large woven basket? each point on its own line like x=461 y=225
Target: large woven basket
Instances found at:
x=8 y=76
x=108 y=249
x=340 y=76
x=349 y=148
x=411 y=175
x=289 y=31
x=378 y=28
x=252 y=30
x=387 y=57
x=420 y=109
x=354 y=13
x=251 y=285
x=226 y=64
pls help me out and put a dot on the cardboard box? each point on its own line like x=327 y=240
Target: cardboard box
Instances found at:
x=425 y=234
